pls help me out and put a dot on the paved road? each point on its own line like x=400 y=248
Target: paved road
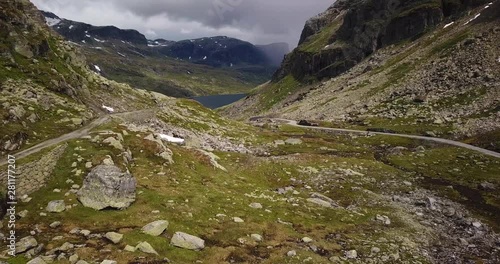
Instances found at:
x=438 y=140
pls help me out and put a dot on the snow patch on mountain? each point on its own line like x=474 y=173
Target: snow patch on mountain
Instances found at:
x=171 y=139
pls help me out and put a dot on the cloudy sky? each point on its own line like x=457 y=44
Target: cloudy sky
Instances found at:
x=257 y=21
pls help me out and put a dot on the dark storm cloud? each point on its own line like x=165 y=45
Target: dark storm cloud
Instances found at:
x=259 y=21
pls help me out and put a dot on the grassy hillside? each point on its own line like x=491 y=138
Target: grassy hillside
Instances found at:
x=171 y=76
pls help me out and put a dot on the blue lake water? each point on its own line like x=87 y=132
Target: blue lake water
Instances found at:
x=216 y=101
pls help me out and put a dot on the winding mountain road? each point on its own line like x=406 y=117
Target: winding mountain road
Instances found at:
x=433 y=139
x=84 y=131
x=52 y=142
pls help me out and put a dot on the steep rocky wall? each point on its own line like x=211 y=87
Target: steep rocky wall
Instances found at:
x=34 y=175
x=366 y=27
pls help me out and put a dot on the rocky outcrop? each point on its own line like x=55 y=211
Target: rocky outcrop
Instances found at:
x=106 y=186
x=317 y=23
x=364 y=27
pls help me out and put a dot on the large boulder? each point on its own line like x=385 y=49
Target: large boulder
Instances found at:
x=25 y=244
x=106 y=186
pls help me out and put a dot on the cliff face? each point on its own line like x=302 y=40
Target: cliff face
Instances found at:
x=349 y=31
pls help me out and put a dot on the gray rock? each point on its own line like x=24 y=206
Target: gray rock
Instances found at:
x=56 y=206
x=256 y=237
x=187 y=241
x=106 y=261
x=55 y=224
x=73 y=258
x=449 y=211
x=146 y=248
x=486 y=186
x=82 y=262
x=375 y=250
x=85 y=232
x=155 y=228
x=351 y=254
x=307 y=240
x=238 y=220
x=279 y=142
x=293 y=141
x=23 y=213
x=66 y=247
x=114 y=237
x=256 y=205
x=77 y=121
x=107 y=187
x=130 y=248
x=36 y=261
x=320 y=202
x=25 y=244
x=17 y=112
x=291 y=253
x=431 y=203
x=114 y=143
x=384 y=219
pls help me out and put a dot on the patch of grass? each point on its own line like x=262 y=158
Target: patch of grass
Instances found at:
x=276 y=92
x=444 y=48
x=395 y=76
x=318 y=41
x=461 y=99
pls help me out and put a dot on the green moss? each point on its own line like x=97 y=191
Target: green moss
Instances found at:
x=444 y=48
x=461 y=99
x=318 y=41
x=395 y=76
x=276 y=92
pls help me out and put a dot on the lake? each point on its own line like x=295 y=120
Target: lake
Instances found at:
x=216 y=101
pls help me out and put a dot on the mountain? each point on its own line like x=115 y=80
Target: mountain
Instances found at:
x=86 y=33
x=216 y=51
x=421 y=67
x=176 y=68
x=349 y=31
x=96 y=171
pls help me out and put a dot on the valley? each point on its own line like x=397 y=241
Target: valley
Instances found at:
x=196 y=67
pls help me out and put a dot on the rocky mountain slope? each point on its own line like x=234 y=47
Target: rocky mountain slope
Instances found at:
x=212 y=65
x=427 y=68
x=120 y=175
